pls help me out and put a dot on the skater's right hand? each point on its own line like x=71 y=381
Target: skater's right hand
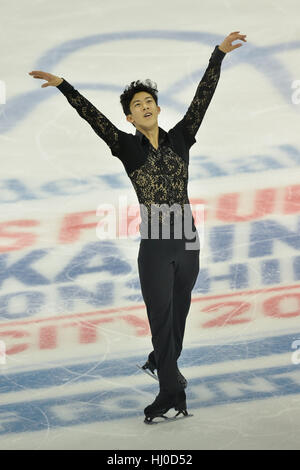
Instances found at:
x=52 y=80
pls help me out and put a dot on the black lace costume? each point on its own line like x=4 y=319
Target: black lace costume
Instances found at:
x=159 y=176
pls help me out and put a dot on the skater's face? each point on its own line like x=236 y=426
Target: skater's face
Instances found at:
x=141 y=105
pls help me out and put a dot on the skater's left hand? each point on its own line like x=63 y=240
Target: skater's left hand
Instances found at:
x=227 y=46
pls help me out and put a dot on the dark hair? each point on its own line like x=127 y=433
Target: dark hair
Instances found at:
x=136 y=87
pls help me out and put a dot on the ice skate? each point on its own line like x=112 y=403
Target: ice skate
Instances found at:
x=149 y=367
x=162 y=404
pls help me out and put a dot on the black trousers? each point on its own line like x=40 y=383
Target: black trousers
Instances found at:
x=168 y=272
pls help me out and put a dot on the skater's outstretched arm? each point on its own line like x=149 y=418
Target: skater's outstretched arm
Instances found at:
x=100 y=124
x=206 y=88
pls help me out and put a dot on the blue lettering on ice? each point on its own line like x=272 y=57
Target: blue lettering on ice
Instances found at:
x=262 y=236
x=14 y=190
x=116 y=180
x=258 y=163
x=65 y=187
x=221 y=242
x=271 y=272
x=105 y=256
x=126 y=366
x=19 y=190
x=94 y=257
x=264 y=233
x=33 y=302
x=104 y=405
x=21 y=269
x=296 y=266
x=103 y=295
x=110 y=261
x=107 y=405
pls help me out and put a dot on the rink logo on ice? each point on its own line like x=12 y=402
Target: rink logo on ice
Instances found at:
x=113 y=225
x=60 y=52
x=107 y=405
x=266 y=307
x=15 y=190
x=296 y=354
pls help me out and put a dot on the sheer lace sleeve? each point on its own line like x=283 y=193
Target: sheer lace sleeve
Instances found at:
x=204 y=93
x=101 y=125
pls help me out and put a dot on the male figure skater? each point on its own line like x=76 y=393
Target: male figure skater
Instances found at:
x=157 y=162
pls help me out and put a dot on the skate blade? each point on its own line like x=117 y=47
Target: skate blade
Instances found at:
x=167 y=419
x=154 y=376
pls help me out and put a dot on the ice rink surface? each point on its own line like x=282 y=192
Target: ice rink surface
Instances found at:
x=73 y=324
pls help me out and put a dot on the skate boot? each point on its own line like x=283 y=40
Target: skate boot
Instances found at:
x=162 y=404
x=181 y=379
x=151 y=366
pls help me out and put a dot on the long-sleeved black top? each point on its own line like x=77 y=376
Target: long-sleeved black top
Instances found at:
x=159 y=176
